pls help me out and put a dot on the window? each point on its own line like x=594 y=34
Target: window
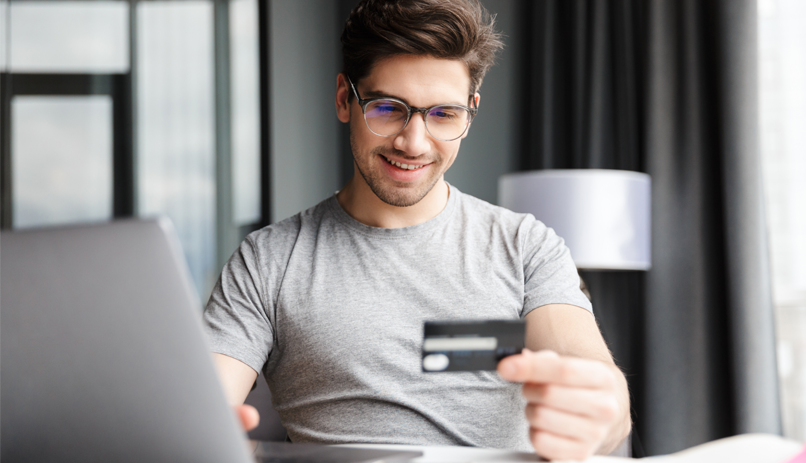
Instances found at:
x=244 y=85
x=65 y=177
x=121 y=108
x=176 y=126
x=69 y=36
x=782 y=73
x=64 y=104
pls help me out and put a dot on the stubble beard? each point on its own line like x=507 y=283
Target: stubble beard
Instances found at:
x=393 y=196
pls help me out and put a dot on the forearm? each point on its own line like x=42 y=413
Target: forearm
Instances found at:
x=572 y=333
x=623 y=425
x=236 y=378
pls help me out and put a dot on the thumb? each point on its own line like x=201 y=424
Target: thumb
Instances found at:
x=249 y=416
x=527 y=366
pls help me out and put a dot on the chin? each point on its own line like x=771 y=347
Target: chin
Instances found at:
x=398 y=198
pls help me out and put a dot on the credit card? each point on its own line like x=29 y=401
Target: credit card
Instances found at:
x=470 y=345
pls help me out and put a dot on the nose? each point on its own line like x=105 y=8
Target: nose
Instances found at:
x=414 y=138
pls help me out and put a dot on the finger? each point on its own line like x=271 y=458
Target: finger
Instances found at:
x=511 y=368
x=595 y=404
x=548 y=367
x=563 y=424
x=554 y=447
x=249 y=416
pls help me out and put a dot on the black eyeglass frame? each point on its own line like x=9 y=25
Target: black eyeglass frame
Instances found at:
x=363 y=103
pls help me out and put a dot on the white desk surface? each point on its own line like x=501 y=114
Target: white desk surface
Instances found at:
x=748 y=448
x=454 y=454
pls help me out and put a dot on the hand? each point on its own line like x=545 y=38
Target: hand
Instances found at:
x=572 y=403
x=248 y=416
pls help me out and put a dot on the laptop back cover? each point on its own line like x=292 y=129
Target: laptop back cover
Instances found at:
x=102 y=354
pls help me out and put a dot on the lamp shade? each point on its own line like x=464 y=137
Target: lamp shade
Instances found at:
x=603 y=215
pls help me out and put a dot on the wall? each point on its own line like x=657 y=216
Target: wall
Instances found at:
x=492 y=146
x=305 y=140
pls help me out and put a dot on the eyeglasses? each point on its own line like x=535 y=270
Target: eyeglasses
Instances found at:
x=387 y=117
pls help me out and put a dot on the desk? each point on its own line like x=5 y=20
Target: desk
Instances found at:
x=455 y=454
x=748 y=448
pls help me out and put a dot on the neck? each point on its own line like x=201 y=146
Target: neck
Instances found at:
x=359 y=201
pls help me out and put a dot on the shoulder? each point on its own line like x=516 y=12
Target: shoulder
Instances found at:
x=277 y=241
x=479 y=213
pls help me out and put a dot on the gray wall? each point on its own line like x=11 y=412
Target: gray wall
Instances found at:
x=305 y=140
x=306 y=145
x=493 y=143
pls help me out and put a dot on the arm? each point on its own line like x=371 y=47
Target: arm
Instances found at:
x=237 y=379
x=578 y=401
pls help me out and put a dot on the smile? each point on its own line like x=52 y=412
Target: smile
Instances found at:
x=403 y=166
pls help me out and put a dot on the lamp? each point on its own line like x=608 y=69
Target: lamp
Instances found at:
x=603 y=215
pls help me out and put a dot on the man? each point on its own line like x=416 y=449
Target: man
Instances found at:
x=330 y=303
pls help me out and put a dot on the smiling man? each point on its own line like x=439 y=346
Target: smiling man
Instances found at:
x=330 y=303
x=399 y=161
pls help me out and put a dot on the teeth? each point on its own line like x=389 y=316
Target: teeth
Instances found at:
x=403 y=166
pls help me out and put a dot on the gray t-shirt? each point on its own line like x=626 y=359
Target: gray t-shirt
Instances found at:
x=332 y=311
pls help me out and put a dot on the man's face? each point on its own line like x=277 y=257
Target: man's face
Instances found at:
x=420 y=82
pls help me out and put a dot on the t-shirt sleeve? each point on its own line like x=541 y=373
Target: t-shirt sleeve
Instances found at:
x=550 y=275
x=235 y=319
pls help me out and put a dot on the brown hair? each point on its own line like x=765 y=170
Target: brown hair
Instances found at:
x=447 y=29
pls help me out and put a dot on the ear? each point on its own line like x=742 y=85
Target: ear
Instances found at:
x=342 y=92
x=477 y=99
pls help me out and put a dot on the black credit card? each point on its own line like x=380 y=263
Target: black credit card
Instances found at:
x=470 y=345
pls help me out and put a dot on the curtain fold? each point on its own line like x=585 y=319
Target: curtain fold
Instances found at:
x=584 y=91
x=749 y=285
x=689 y=387
x=668 y=87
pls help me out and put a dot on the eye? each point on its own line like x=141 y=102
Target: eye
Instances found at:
x=384 y=108
x=443 y=114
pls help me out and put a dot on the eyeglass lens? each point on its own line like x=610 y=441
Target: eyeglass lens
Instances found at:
x=388 y=117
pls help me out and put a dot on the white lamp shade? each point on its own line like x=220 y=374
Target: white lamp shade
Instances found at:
x=603 y=215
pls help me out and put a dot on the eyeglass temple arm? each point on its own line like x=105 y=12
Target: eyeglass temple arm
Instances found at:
x=472 y=105
x=355 y=90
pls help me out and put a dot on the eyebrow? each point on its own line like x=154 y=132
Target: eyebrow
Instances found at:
x=371 y=94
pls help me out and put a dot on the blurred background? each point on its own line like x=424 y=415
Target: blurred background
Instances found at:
x=220 y=115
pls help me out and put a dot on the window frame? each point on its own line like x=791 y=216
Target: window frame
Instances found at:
x=116 y=86
x=122 y=89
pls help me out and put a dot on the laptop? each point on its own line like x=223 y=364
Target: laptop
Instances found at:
x=103 y=358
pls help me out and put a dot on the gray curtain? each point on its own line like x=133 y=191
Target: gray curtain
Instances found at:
x=668 y=87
